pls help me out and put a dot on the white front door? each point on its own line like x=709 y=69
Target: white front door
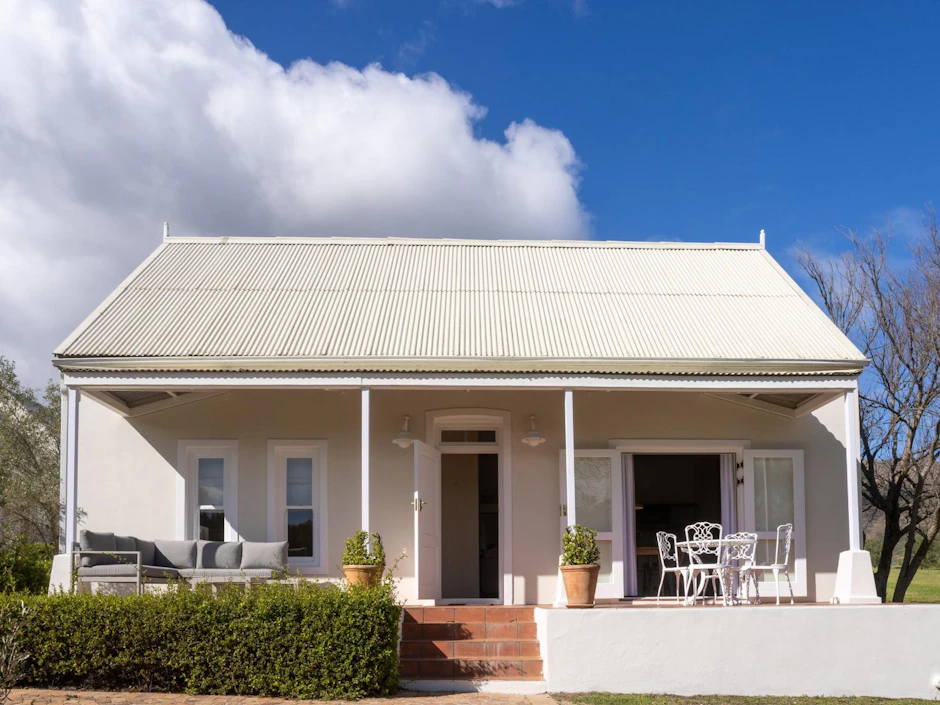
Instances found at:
x=598 y=504
x=427 y=508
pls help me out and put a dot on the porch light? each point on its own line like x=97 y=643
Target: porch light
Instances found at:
x=533 y=438
x=404 y=438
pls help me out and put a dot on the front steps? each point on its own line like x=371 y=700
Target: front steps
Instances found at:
x=470 y=643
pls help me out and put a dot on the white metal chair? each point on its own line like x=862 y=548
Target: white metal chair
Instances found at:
x=739 y=550
x=781 y=563
x=669 y=553
x=705 y=547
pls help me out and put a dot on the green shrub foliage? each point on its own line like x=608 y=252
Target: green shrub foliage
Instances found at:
x=304 y=641
x=579 y=546
x=364 y=549
x=25 y=567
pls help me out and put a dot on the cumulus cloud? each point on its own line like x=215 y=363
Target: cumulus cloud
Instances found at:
x=117 y=116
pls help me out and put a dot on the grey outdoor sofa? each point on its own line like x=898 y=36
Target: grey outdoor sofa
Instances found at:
x=108 y=558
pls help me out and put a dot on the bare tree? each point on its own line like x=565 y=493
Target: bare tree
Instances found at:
x=890 y=307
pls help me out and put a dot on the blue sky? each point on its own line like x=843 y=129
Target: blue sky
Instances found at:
x=550 y=119
x=693 y=121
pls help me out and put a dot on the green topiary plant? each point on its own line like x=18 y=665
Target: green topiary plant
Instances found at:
x=364 y=549
x=579 y=546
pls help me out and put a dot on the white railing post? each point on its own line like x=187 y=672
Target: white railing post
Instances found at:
x=852 y=460
x=71 y=470
x=569 y=456
x=365 y=459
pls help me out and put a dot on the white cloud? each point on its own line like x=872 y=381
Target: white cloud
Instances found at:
x=117 y=116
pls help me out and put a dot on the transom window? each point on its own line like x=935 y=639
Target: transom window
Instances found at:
x=452 y=435
x=297 y=501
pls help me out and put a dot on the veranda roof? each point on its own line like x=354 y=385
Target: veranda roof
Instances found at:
x=319 y=304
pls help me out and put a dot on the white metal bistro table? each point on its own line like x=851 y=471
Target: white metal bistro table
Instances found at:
x=687 y=546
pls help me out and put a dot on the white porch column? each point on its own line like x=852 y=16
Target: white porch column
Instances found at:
x=855 y=580
x=853 y=456
x=71 y=470
x=569 y=455
x=365 y=459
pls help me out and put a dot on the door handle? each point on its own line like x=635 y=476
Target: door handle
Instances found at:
x=418 y=504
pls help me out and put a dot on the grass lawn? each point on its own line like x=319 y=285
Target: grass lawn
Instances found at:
x=612 y=699
x=925 y=588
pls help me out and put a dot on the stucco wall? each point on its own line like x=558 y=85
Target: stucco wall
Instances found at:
x=127 y=468
x=818 y=650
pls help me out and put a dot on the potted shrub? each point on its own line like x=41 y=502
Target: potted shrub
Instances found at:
x=364 y=559
x=580 y=566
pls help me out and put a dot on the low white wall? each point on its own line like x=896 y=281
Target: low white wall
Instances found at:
x=882 y=651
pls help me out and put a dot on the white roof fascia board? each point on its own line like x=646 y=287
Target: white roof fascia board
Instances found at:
x=272 y=380
x=470 y=365
x=110 y=297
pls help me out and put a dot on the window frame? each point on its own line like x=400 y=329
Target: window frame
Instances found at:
x=798 y=577
x=279 y=450
x=616 y=536
x=189 y=451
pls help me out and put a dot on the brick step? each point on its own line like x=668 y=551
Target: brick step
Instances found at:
x=469 y=631
x=470 y=669
x=430 y=650
x=488 y=613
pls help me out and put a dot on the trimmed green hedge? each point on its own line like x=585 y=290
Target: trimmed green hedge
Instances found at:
x=308 y=641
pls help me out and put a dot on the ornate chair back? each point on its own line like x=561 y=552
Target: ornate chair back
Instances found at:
x=668 y=551
x=704 y=539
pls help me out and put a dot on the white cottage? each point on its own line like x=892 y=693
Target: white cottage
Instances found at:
x=468 y=400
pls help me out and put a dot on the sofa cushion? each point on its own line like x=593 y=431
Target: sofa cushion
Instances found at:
x=175 y=554
x=218 y=554
x=271 y=555
x=148 y=551
x=96 y=541
x=234 y=573
x=128 y=571
x=125 y=543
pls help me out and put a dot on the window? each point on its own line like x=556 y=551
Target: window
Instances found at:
x=211 y=491
x=598 y=483
x=297 y=501
x=774 y=495
x=207 y=494
x=449 y=435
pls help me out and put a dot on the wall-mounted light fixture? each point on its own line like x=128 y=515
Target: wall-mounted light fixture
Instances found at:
x=533 y=438
x=404 y=438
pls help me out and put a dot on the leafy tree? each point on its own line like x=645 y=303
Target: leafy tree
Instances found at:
x=29 y=462
x=890 y=307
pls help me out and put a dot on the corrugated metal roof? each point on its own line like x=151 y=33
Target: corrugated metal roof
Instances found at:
x=393 y=304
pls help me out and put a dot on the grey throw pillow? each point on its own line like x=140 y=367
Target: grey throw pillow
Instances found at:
x=148 y=551
x=175 y=554
x=218 y=554
x=96 y=541
x=125 y=543
x=257 y=554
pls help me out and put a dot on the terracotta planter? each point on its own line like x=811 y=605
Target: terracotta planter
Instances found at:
x=580 y=584
x=368 y=575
